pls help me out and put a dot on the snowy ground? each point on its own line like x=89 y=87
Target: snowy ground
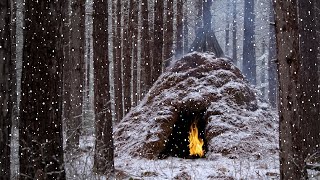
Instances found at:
x=79 y=167
x=218 y=168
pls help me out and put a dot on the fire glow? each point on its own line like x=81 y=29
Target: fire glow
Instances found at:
x=195 y=143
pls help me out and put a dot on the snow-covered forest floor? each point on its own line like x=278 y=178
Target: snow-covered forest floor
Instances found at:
x=220 y=167
x=79 y=166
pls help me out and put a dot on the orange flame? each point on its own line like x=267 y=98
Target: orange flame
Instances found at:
x=195 y=143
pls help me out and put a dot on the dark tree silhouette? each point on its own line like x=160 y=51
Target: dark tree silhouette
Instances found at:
x=179 y=41
x=146 y=80
x=234 y=31
x=74 y=73
x=127 y=58
x=117 y=64
x=40 y=128
x=157 y=40
x=6 y=88
x=272 y=66
x=103 y=157
x=135 y=83
x=205 y=38
x=185 y=29
x=227 y=45
x=168 y=31
x=249 y=57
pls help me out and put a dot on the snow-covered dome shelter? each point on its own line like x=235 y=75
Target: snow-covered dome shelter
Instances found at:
x=203 y=92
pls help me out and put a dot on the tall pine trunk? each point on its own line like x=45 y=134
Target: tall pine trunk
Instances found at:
x=146 y=61
x=127 y=52
x=185 y=28
x=309 y=78
x=297 y=65
x=168 y=31
x=207 y=15
x=179 y=35
x=103 y=157
x=157 y=40
x=135 y=83
x=199 y=15
x=227 y=45
x=249 y=57
x=6 y=88
x=234 y=31
x=272 y=66
x=117 y=65
x=40 y=129
x=74 y=74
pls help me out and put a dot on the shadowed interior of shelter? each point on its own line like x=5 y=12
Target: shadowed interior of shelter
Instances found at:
x=178 y=143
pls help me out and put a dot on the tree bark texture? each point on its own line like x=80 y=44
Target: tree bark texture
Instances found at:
x=6 y=88
x=309 y=77
x=297 y=63
x=74 y=74
x=249 y=57
x=135 y=83
x=127 y=61
x=146 y=61
x=158 y=40
x=103 y=157
x=40 y=130
x=168 y=31
x=199 y=15
x=179 y=41
x=272 y=66
x=234 y=32
x=227 y=45
x=117 y=65
x=207 y=17
x=185 y=28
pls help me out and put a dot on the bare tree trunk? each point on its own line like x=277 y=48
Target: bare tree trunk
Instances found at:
x=317 y=12
x=199 y=15
x=103 y=157
x=309 y=77
x=234 y=32
x=179 y=41
x=297 y=64
x=291 y=158
x=158 y=40
x=41 y=152
x=117 y=66
x=6 y=88
x=74 y=74
x=135 y=54
x=127 y=50
x=146 y=80
x=272 y=66
x=207 y=15
x=168 y=32
x=185 y=29
x=249 y=57
x=227 y=45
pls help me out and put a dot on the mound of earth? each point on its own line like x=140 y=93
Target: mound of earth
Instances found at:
x=236 y=122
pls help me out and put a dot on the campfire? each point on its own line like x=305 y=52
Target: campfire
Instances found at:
x=187 y=139
x=195 y=143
